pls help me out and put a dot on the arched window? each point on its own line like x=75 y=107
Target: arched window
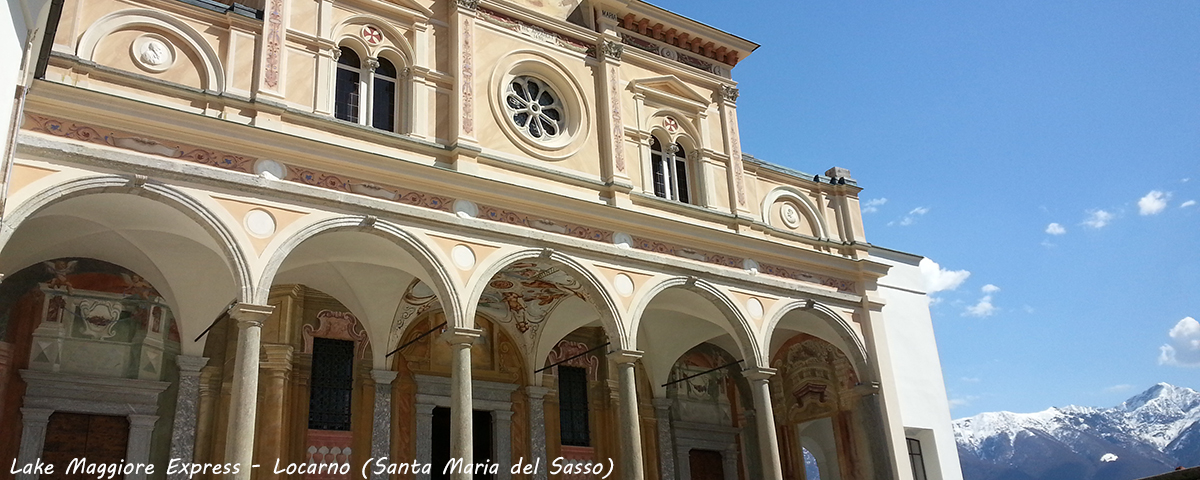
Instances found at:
x=383 y=98
x=670 y=171
x=347 y=91
x=365 y=92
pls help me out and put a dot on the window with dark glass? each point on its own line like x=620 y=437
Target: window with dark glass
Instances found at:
x=383 y=101
x=331 y=384
x=346 y=89
x=916 y=459
x=573 y=406
x=670 y=171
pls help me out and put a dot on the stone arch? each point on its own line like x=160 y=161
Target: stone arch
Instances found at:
x=737 y=325
x=688 y=130
x=214 y=72
x=439 y=279
x=390 y=32
x=808 y=208
x=847 y=339
x=602 y=299
x=219 y=233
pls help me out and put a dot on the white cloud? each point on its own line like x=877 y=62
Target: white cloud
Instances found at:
x=1119 y=388
x=1055 y=229
x=1188 y=203
x=1183 y=349
x=939 y=279
x=1098 y=218
x=962 y=401
x=1153 y=203
x=984 y=307
x=911 y=218
x=873 y=205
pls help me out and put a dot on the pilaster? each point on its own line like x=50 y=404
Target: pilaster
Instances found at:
x=187 y=409
x=462 y=126
x=272 y=438
x=537 y=428
x=381 y=425
x=33 y=437
x=666 y=441
x=736 y=175
x=613 y=166
x=141 y=428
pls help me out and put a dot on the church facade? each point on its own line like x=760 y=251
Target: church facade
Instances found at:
x=320 y=239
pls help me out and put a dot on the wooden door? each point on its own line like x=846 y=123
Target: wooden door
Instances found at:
x=99 y=438
x=706 y=465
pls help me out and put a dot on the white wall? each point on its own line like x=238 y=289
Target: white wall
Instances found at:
x=924 y=408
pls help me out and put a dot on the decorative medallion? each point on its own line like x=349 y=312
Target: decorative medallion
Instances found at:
x=153 y=52
x=671 y=124
x=371 y=35
x=259 y=223
x=463 y=256
x=789 y=215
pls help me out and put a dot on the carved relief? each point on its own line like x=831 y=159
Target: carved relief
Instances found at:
x=153 y=52
x=618 y=126
x=468 y=76
x=567 y=349
x=337 y=325
x=274 y=41
x=814 y=379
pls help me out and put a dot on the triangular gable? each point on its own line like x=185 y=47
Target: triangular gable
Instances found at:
x=672 y=87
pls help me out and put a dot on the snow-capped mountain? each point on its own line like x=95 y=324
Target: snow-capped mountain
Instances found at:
x=1151 y=433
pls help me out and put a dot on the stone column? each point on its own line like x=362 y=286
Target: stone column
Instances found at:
x=33 y=438
x=502 y=435
x=187 y=408
x=537 y=429
x=424 y=412
x=666 y=441
x=461 y=410
x=729 y=462
x=381 y=426
x=243 y=403
x=768 y=440
x=630 y=432
x=141 y=428
x=272 y=439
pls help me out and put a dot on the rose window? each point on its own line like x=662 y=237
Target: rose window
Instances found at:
x=534 y=108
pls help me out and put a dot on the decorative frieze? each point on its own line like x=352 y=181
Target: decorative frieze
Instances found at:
x=672 y=54
x=274 y=44
x=331 y=181
x=537 y=33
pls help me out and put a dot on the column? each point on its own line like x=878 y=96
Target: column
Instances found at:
x=381 y=426
x=187 y=408
x=666 y=442
x=141 y=428
x=627 y=418
x=502 y=439
x=537 y=429
x=424 y=412
x=239 y=444
x=461 y=410
x=33 y=438
x=272 y=439
x=768 y=441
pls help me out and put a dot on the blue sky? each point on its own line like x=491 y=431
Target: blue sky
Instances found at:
x=981 y=124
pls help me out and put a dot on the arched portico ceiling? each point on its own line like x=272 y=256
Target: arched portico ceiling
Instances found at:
x=367 y=269
x=821 y=321
x=155 y=231
x=681 y=313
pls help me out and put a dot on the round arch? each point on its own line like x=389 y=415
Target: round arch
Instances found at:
x=171 y=197
x=847 y=339
x=439 y=278
x=341 y=33
x=801 y=199
x=601 y=298
x=214 y=72
x=736 y=322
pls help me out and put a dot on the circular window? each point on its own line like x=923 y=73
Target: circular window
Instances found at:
x=535 y=109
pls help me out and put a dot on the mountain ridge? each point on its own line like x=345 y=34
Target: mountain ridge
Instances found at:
x=1149 y=433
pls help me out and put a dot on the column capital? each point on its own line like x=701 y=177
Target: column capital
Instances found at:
x=625 y=356
x=190 y=364
x=249 y=314
x=279 y=357
x=502 y=415
x=758 y=373
x=536 y=392
x=383 y=377
x=35 y=415
x=460 y=335
x=142 y=421
x=662 y=403
x=471 y=5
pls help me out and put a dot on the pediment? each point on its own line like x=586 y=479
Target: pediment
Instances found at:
x=670 y=86
x=414 y=6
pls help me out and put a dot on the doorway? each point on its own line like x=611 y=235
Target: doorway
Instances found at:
x=706 y=465
x=482 y=435
x=101 y=439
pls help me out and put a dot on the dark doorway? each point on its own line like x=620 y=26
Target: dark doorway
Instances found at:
x=482 y=436
x=99 y=438
x=706 y=465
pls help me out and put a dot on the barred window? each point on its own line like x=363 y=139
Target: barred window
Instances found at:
x=331 y=385
x=573 y=406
